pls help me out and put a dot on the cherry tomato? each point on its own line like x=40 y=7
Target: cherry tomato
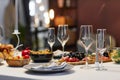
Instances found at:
x=77 y=60
x=73 y=59
x=70 y=60
x=25 y=52
x=26 y=57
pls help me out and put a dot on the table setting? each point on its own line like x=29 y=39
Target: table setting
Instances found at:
x=47 y=64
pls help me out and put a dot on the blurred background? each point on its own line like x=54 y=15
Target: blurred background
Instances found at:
x=35 y=16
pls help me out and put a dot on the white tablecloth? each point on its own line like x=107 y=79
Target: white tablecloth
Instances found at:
x=19 y=73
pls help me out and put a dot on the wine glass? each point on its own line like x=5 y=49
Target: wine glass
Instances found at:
x=101 y=45
x=86 y=40
x=51 y=37
x=1 y=33
x=63 y=35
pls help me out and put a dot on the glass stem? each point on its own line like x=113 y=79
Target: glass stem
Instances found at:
x=51 y=48
x=63 y=47
x=101 y=61
x=86 y=63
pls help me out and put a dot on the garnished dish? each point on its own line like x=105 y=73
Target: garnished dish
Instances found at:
x=77 y=58
x=115 y=55
x=73 y=58
x=106 y=57
x=58 y=54
x=41 y=55
x=49 y=67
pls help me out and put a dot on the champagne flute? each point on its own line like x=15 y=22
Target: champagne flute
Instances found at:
x=51 y=37
x=101 y=45
x=86 y=40
x=63 y=35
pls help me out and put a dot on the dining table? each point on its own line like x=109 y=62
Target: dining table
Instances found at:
x=76 y=73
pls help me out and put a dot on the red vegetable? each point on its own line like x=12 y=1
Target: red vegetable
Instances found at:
x=25 y=52
x=26 y=57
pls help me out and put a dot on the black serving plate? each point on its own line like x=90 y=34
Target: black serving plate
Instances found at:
x=41 y=57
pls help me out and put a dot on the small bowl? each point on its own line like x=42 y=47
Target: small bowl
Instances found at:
x=17 y=63
x=41 y=57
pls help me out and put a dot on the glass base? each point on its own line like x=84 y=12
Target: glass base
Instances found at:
x=86 y=67
x=101 y=68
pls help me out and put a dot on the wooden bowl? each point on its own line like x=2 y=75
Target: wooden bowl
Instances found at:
x=17 y=63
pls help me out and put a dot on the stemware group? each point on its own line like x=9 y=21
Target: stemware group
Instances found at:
x=85 y=38
x=62 y=35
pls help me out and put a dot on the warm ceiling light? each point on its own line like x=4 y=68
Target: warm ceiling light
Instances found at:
x=41 y=8
x=60 y=3
x=51 y=14
x=36 y=21
x=46 y=17
x=32 y=8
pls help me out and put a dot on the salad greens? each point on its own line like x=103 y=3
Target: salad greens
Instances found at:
x=118 y=55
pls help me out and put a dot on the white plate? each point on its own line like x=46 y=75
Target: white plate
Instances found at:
x=30 y=68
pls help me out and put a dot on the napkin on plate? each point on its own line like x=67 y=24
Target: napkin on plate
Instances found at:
x=52 y=66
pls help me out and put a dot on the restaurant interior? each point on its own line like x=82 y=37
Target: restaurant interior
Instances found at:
x=34 y=20
x=91 y=37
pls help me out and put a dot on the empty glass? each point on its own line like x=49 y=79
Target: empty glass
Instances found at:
x=1 y=33
x=51 y=37
x=63 y=35
x=86 y=40
x=101 y=45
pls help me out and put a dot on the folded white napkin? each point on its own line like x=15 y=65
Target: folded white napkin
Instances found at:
x=59 y=52
x=52 y=66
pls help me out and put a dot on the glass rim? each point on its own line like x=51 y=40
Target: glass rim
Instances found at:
x=86 y=25
x=101 y=29
x=60 y=25
x=65 y=25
